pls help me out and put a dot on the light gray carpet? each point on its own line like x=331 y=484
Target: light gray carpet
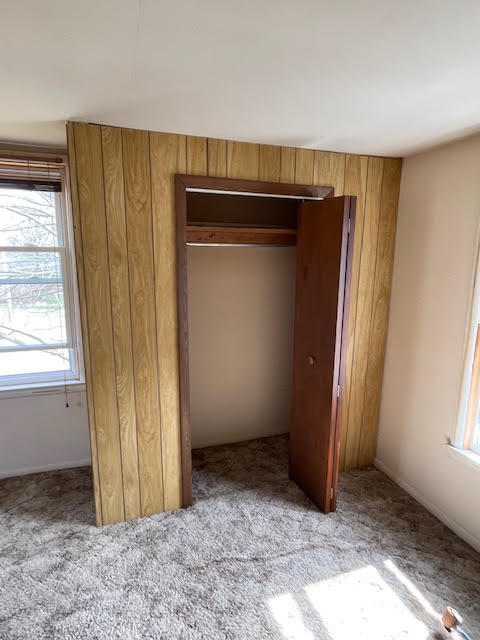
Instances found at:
x=251 y=559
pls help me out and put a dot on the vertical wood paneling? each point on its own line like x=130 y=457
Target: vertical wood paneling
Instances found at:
x=329 y=171
x=269 y=159
x=217 y=158
x=242 y=160
x=124 y=221
x=182 y=153
x=364 y=310
x=355 y=185
x=136 y=167
x=287 y=165
x=88 y=152
x=196 y=156
x=166 y=159
x=83 y=317
x=381 y=299
x=304 y=166
x=122 y=327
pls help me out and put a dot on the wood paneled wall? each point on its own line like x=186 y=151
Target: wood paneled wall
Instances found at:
x=122 y=191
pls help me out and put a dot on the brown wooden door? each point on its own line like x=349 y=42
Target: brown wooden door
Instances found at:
x=324 y=257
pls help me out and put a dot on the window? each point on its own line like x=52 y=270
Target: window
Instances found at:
x=468 y=433
x=39 y=331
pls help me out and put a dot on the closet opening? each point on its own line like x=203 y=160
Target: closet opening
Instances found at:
x=263 y=284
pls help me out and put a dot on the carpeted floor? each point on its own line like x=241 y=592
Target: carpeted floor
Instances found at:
x=251 y=559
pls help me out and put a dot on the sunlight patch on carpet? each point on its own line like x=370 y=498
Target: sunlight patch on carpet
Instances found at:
x=361 y=605
x=288 y=616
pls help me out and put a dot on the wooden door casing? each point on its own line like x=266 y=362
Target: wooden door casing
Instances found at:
x=239 y=186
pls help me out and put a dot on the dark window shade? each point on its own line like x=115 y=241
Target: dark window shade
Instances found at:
x=34 y=184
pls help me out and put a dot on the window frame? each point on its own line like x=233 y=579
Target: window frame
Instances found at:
x=73 y=341
x=468 y=423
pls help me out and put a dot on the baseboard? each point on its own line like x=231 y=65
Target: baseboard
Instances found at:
x=452 y=524
x=24 y=471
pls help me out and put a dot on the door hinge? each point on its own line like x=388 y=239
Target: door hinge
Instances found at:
x=331 y=493
x=348 y=228
x=338 y=390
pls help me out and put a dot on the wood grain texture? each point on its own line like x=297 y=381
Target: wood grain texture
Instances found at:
x=287 y=165
x=241 y=235
x=77 y=233
x=166 y=160
x=269 y=160
x=350 y=231
x=364 y=310
x=136 y=167
x=217 y=158
x=88 y=152
x=242 y=160
x=181 y=153
x=196 y=156
x=124 y=227
x=257 y=186
x=329 y=169
x=182 y=321
x=392 y=169
x=121 y=321
x=355 y=184
x=304 y=166
x=321 y=276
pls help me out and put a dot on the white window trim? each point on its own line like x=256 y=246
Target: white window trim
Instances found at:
x=465 y=456
x=43 y=389
x=50 y=382
x=470 y=340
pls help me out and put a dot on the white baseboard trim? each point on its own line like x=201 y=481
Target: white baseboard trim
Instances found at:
x=452 y=524
x=24 y=471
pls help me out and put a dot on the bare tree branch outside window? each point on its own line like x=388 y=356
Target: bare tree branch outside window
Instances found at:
x=32 y=305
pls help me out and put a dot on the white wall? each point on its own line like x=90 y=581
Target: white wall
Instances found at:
x=38 y=433
x=241 y=306
x=435 y=252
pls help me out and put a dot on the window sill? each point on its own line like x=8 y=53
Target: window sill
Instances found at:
x=41 y=389
x=469 y=457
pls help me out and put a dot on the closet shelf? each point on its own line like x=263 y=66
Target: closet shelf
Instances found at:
x=240 y=235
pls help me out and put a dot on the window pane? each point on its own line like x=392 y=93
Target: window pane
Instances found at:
x=28 y=218
x=28 y=267
x=32 y=362
x=31 y=314
x=476 y=439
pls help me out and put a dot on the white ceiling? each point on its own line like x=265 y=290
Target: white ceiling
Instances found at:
x=369 y=76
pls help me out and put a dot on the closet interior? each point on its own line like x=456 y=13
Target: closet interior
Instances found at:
x=244 y=372
x=241 y=253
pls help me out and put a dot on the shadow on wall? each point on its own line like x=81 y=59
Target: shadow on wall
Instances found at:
x=241 y=311
x=405 y=322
